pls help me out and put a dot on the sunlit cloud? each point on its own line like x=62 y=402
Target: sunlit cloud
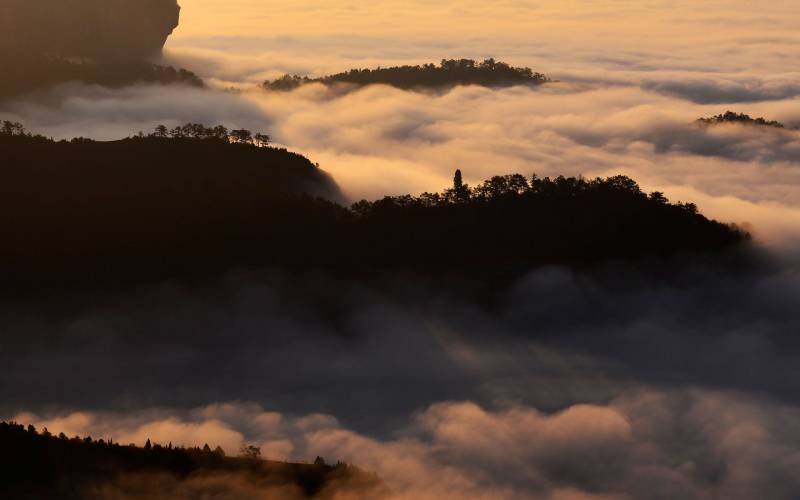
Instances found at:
x=379 y=140
x=644 y=444
x=609 y=384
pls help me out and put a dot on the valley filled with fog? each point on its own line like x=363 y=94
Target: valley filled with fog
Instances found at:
x=624 y=379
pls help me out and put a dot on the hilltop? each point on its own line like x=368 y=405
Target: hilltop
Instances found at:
x=199 y=201
x=36 y=465
x=449 y=73
x=181 y=201
x=740 y=118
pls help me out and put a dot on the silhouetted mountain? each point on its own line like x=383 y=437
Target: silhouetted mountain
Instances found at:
x=741 y=118
x=148 y=203
x=516 y=221
x=37 y=465
x=196 y=200
x=105 y=42
x=449 y=73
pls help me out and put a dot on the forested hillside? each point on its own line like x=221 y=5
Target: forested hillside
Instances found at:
x=200 y=201
x=740 y=118
x=451 y=72
x=38 y=465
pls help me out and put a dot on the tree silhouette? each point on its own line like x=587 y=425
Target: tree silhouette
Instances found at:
x=140 y=210
x=177 y=133
x=250 y=452
x=458 y=181
x=39 y=466
x=12 y=128
x=241 y=136
x=261 y=140
x=198 y=131
x=741 y=118
x=658 y=197
x=460 y=191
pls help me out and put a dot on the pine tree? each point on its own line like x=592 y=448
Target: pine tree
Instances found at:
x=458 y=182
x=461 y=192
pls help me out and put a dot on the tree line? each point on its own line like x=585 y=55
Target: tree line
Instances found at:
x=219 y=132
x=448 y=73
x=38 y=464
x=16 y=429
x=191 y=204
x=742 y=118
x=186 y=131
x=517 y=186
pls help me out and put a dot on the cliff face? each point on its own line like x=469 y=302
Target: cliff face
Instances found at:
x=105 y=42
x=100 y=30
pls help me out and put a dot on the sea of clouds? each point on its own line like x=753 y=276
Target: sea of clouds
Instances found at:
x=615 y=384
x=612 y=385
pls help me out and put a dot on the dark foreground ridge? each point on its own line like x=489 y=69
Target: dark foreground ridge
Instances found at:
x=197 y=201
x=740 y=118
x=450 y=73
x=37 y=465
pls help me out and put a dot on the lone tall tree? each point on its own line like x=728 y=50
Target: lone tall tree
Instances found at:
x=460 y=192
x=458 y=181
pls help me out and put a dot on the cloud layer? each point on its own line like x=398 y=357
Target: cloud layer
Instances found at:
x=379 y=140
x=645 y=444
x=632 y=381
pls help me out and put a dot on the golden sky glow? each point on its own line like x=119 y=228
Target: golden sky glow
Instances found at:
x=561 y=37
x=632 y=21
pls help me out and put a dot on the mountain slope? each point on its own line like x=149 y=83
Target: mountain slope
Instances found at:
x=37 y=465
x=159 y=208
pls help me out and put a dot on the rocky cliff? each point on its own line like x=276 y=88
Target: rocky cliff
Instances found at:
x=103 y=42
x=99 y=30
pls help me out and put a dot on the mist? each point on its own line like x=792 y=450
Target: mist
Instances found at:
x=578 y=385
x=381 y=141
x=608 y=112
x=643 y=380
